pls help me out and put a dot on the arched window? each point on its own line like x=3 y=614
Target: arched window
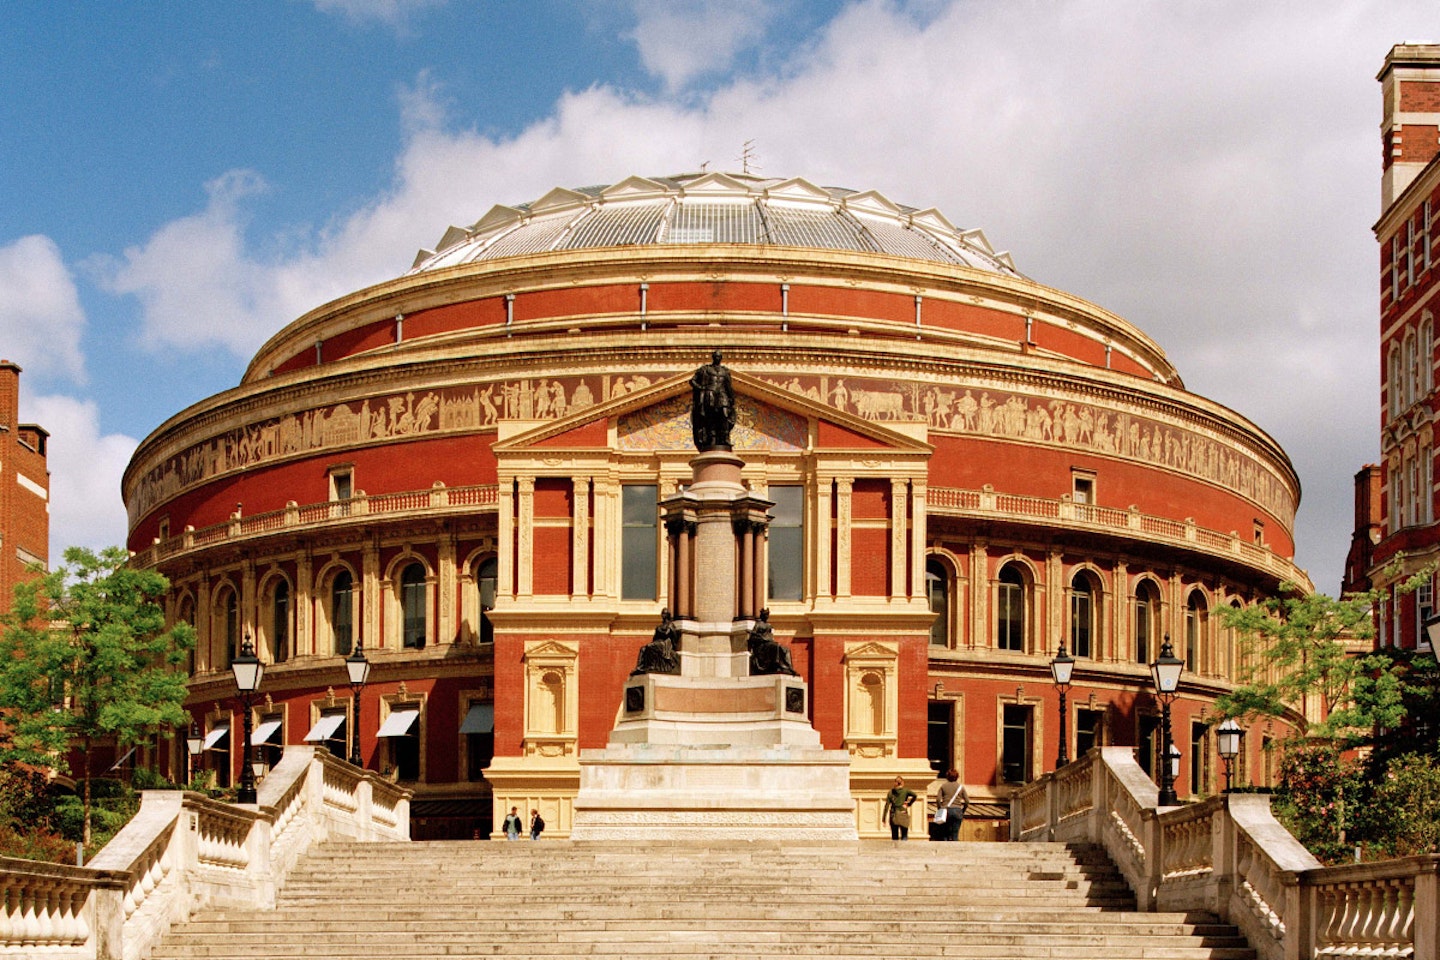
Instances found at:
x=342 y=612
x=1010 y=609
x=1427 y=352
x=1147 y=609
x=1411 y=372
x=280 y=621
x=413 y=620
x=1195 y=623
x=487 y=575
x=187 y=615
x=937 y=586
x=1394 y=387
x=229 y=609
x=1084 y=610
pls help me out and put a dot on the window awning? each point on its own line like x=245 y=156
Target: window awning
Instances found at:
x=265 y=731
x=398 y=724
x=479 y=719
x=325 y=728
x=121 y=762
x=215 y=735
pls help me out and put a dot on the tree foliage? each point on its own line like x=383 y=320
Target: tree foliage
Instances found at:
x=85 y=658
x=1298 y=646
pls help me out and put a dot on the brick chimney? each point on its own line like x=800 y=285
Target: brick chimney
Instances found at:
x=1410 y=131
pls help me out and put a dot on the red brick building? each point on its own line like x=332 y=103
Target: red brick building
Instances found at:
x=1408 y=230
x=24 y=489
x=460 y=468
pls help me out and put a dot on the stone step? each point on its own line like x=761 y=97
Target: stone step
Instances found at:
x=728 y=900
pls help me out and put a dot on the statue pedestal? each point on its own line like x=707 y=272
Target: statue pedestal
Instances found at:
x=714 y=752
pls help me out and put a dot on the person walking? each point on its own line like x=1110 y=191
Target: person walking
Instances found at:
x=950 y=804
x=897 y=809
x=537 y=825
x=513 y=824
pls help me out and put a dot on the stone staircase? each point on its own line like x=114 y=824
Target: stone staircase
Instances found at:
x=722 y=899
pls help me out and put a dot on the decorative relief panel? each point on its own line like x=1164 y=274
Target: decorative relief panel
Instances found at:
x=1077 y=425
x=666 y=426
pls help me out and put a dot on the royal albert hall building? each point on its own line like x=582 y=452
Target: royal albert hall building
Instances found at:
x=459 y=469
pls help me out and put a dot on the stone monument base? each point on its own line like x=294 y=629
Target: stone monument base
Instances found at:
x=653 y=791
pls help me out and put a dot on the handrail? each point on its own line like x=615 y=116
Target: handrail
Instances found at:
x=294 y=517
x=1229 y=856
x=987 y=504
x=184 y=850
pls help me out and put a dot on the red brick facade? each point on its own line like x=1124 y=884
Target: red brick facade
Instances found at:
x=24 y=489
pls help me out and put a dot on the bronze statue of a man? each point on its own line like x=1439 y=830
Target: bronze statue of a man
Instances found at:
x=659 y=656
x=712 y=406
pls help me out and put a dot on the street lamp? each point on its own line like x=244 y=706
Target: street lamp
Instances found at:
x=1432 y=633
x=194 y=745
x=1165 y=674
x=359 y=670
x=1060 y=669
x=248 y=670
x=1227 y=741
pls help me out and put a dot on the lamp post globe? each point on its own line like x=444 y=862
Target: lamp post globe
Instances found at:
x=358 y=670
x=1165 y=674
x=248 y=671
x=1227 y=743
x=1061 y=669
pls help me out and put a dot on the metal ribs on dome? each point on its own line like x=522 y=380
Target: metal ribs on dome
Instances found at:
x=704 y=208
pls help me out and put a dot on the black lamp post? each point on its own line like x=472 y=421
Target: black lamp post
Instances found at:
x=1432 y=633
x=359 y=670
x=1165 y=674
x=248 y=671
x=1227 y=739
x=1060 y=670
x=194 y=744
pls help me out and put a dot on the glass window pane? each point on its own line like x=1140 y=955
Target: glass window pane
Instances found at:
x=412 y=601
x=639 y=560
x=787 y=543
x=341 y=612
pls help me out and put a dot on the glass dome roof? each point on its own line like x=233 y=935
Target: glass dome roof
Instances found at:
x=701 y=208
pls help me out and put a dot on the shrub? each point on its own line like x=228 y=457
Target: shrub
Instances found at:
x=1319 y=791
x=1403 y=817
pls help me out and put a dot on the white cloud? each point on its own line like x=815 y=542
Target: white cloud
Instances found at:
x=393 y=13
x=41 y=320
x=85 y=471
x=1210 y=173
x=681 y=40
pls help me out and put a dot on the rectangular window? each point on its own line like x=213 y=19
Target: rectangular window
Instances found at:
x=1424 y=610
x=269 y=739
x=638 y=538
x=1395 y=268
x=1148 y=738
x=478 y=729
x=940 y=741
x=1425 y=237
x=787 y=543
x=331 y=731
x=1080 y=620
x=1142 y=630
x=1015 y=744
x=1259 y=530
x=401 y=730
x=1082 y=493
x=1089 y=730
x=1199 y=759
x=1410 y=253
x=342 y=488
x=1010 y=616
x=217 y=744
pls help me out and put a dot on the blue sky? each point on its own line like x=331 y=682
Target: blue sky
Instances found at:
x=182 y=180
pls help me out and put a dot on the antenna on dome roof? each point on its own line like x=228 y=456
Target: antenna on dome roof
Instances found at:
x=748 y=158
x=704 y=166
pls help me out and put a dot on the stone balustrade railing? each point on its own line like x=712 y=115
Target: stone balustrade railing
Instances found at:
x=990 y=504
x=295 y=517
x=184 y=851
x=1229 y=856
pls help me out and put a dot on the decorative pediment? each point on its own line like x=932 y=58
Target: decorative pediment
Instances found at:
x=550 y=650
x=871 y=201
x=797 y=188
x=559 y=197
x=452 y=236
x=633 y=187
x=769 y=417
x=933 y=219
x=717 y=184
x=497 y=216
x=873 y=650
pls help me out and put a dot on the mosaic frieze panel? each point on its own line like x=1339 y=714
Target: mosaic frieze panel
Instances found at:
x=666 y=426
x=993 y=413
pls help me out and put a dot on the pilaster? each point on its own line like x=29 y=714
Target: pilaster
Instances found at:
x=524 y=553
x=843 y=488
x=899 y=503
x=580 y=538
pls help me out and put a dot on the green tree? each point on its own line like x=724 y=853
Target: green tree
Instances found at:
x=84 y=658
x=1300 y=647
